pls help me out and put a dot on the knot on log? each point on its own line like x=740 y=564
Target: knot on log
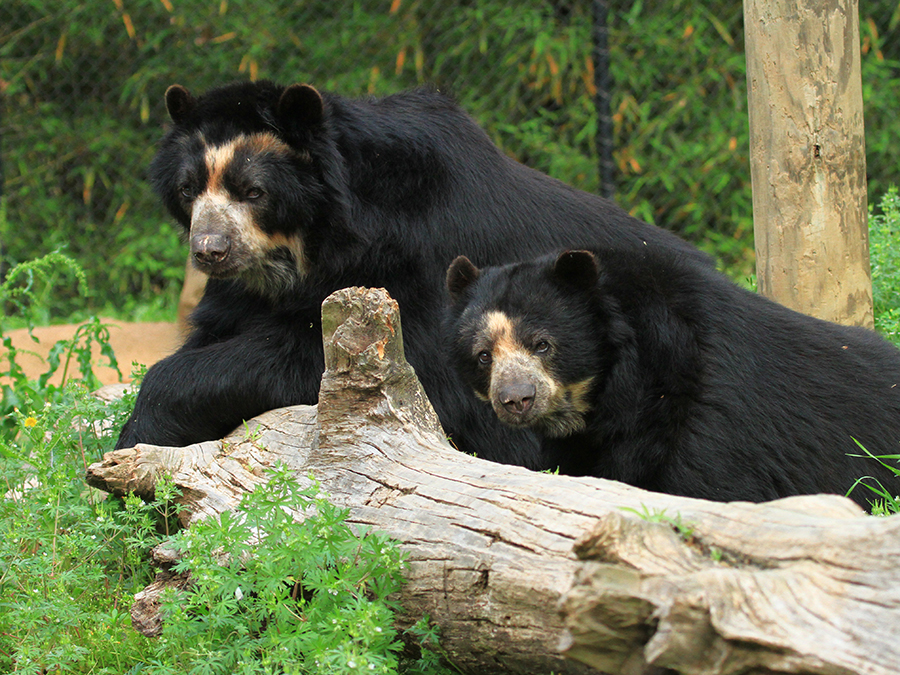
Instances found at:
x=621 y=540
x=366 y=373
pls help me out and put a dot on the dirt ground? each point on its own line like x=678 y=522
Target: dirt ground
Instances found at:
x=144 y=343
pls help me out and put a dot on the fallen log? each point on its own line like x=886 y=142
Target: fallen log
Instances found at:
x=535 y=573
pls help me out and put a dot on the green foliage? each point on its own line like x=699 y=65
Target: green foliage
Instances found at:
x=880 y=32
x=271 y=595
x=26 y=293
x=886 y=502
x=70 y=560
x=681 y=126
x=884 y=256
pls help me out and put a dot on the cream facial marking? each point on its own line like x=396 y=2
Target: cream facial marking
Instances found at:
x=576 y=394
x=500 y=331
x=219 y=157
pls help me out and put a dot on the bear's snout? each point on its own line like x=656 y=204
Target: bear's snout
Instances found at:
x=210 y=248
x=518 y=397
x=519 y=389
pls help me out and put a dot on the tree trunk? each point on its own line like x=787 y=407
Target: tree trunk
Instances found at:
x=523 y=569
x=808 y=157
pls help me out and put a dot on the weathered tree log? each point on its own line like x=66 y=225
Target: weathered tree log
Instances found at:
x=522 y=569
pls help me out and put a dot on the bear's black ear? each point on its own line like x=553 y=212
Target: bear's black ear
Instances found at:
x=301 y=104
x=179 y=103
x=578 y=268
x=460 y=275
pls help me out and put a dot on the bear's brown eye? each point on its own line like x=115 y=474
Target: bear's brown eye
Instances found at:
x=542 y=347
x=186 y=191
x=484 y=357
x=253 y=193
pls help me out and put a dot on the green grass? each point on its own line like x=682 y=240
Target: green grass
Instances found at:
x=70 y=557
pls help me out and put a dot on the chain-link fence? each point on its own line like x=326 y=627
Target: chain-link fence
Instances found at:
x=83 y=108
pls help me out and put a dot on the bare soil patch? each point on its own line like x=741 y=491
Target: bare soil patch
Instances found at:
x=144 y=343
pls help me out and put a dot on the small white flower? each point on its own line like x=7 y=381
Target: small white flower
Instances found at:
x=238 y=594
x=377 y=629
x=351 y=663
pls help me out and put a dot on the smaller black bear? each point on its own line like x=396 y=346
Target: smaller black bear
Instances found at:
x=641 y=368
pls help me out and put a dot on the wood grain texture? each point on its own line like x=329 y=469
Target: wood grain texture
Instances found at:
x=807 y=157
x=522 y=570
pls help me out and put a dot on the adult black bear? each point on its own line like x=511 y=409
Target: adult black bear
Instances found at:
x=643 y=368
x=288 y=195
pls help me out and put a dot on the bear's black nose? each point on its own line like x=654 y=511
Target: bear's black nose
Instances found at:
x=210 y=248
x=517 y=398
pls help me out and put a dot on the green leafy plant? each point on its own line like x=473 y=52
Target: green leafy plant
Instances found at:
x=70 y=559
x=884 y=255
x=272 y=595
x=25 y=292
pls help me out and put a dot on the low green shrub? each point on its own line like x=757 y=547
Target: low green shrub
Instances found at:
x=271 y=595
x=70 y=558
x=884 y=255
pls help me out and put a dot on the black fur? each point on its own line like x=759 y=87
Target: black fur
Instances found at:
x=382 y=193
x=702 y=388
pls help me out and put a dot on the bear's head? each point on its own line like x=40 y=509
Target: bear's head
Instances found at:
x=528 y=339
x=236 y=169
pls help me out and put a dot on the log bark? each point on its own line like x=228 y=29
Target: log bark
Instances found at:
x=808 y=157
x=535 y=573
